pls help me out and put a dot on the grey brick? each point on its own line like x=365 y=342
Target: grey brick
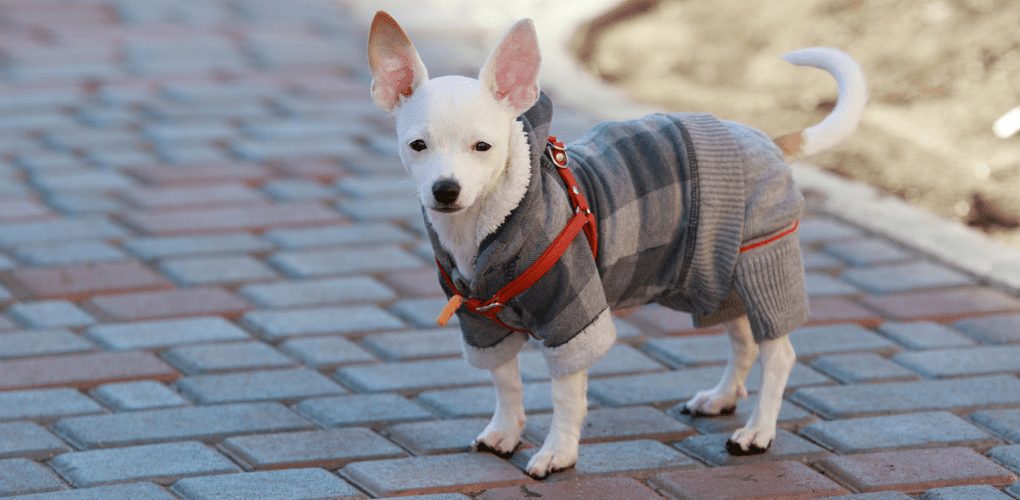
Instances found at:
x=130 y=491
x=976 y=492
x=49 y=314
x=215 y=270
x=317 y=292
x=432 y=473
x=1007 y=455
x=85 y=228
x=437 y=436
x=1005 y=423
x=422 y=312
x=319 y=352
x=84 y=181
x=866 y=252
x=830 y=339
x=690 y=351
x=361 y=409
x=63 y=253
x=680 y=385
x=818 y=261
x=1014 y=490
x=901 y=397
x=1000 y=329
x=790 y=417
x=45 y=403
x=417 y=344
x=412 y=375
x=818 y=229
x=83 y=203
x=923 y=335
x=276 y=325
x=279 y=149
x=903 y=277
x=161 y=463
x=480 y=401
x=861 y=368
x=625 y=329
x=356 y=234
x=329 y=448
x=616 y=424
x=819 y=284
x=279 y=484
x=28 y=440
x=640 y=456
x=381 y=209
x=377 y=185
x=315 y=263
x=193 y=131
x=176 y=246
x=288 y=384
x=621 y=359
x=298 y=189
x=208 y=358
x=19 y=476
x=172 y=424
x=40 y=342
x=890 y=432
x=711 y=449
x=964 y=361
x=140 y=395
x=164 y=333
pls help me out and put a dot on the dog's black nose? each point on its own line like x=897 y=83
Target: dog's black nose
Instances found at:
x=446 y=190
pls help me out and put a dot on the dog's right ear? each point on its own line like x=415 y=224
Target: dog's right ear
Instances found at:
x=396 y=68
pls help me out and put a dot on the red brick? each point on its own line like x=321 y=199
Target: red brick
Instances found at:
x=167 y=304
x=320 y=170
x=787 y=480
x=192 y=196
x=218 y=220
x=73 y=282
x=416 y=283
x=252 y=174
x=943 y=305
x=577 y=489
x=914 y=471
x=83 y=370
x=826 y=310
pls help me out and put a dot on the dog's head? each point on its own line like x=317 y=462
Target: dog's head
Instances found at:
x=453 y=131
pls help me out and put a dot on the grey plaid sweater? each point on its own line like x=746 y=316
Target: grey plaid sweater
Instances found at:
x=675 y=196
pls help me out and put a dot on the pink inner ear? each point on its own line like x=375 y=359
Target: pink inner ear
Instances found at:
x=515 y=70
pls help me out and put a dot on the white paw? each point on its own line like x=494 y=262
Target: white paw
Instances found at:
x=501 y=436
x=751 y=440
x=551 y=458
x=714 y=401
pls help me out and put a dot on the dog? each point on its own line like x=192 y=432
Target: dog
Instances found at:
x=694 y=213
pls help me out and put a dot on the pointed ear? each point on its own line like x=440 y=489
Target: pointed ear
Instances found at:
x=396 y=68
x=511 y=72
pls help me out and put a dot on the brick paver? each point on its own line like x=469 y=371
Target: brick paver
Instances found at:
x=212 y=261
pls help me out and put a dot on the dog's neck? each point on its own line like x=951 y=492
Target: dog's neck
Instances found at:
x=461 y=233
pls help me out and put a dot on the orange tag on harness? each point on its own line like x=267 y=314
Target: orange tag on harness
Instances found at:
x=448 y=310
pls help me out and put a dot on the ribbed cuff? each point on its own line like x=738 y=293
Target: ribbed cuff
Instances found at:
x=488 y=358
x=770 y=282
x=584 y=349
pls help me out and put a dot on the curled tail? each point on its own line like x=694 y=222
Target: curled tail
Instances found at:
x=853 y=94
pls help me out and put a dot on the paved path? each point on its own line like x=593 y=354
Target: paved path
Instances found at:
x=214 y=282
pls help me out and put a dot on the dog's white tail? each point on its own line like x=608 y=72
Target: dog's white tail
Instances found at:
x=853 y=94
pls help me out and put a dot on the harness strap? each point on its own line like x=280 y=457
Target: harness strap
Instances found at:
x=583 y=219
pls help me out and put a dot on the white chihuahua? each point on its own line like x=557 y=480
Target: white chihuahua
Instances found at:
x=682 y=209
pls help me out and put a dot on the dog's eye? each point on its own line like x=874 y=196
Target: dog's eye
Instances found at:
x=418 y=145
x=482 y=146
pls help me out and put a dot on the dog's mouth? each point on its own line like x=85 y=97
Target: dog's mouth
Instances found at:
x=446 y=209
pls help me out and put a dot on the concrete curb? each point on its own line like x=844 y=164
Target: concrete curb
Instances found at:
x=949 y=242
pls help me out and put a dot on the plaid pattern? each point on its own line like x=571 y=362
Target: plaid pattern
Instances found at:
x=669 y=194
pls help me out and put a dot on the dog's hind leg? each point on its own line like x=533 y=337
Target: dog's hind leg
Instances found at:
x=777 y=359
x=570 y=404
x=503 y=433
x=722 y=399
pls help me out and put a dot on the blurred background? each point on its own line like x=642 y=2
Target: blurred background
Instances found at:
x=939 y=72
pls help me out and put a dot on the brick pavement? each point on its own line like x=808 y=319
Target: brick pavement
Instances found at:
x=213 y=281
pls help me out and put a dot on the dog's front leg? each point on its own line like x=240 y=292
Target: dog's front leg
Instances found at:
x=570 y=404
x=777 y=359
x=503 y=433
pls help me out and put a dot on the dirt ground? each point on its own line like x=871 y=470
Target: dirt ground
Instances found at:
x=939 y=73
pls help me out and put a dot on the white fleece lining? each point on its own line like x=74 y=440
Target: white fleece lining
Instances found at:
x=491 y=357
x=584 y=349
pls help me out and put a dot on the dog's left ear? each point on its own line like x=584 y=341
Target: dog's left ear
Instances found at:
x=396 y=68
x=511 y=72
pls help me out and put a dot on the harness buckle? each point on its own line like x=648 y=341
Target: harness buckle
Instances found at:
x=557 y=152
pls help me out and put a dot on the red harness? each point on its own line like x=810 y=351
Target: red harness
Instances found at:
x=582 y=219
